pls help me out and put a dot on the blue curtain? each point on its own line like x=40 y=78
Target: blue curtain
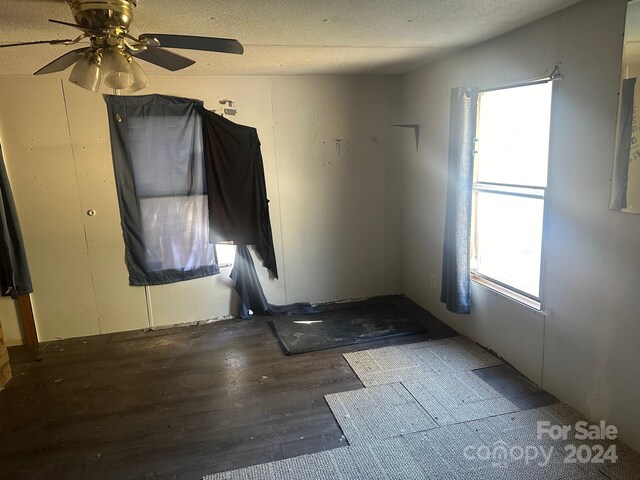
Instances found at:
x=14 y=270
x=158 y=161
x=456 y=281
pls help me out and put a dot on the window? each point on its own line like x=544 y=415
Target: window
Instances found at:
x=226 y=253
x=510 y=180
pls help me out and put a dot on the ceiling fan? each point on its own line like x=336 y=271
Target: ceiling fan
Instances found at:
x=112 y=53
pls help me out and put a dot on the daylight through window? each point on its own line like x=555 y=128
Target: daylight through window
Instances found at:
x=510 y=180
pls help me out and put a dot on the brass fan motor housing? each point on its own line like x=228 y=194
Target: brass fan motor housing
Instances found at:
x=103 y=14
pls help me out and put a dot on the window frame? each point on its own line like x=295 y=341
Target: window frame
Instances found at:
x=514 y=190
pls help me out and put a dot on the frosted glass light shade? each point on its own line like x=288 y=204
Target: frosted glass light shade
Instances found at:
x=86 y=72
x=140 y=79
x=116 y=70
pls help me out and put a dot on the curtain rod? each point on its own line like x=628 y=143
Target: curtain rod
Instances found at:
x=553 y=76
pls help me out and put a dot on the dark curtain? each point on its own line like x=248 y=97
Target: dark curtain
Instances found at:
x=456 y=280
x=14 y=278
x=620 y=175
x=238 y=202
x=252 y=298
x=158 y=162
x=187 y=179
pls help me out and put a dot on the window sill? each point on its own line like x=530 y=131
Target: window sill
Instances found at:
x=505 y=292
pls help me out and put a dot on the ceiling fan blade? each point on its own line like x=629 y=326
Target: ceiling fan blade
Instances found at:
x=164 y=58
x=62 y=62
x=209 y=44
x=38 y=42
x=87 y=30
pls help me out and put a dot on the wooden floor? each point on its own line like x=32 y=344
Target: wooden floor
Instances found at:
x=177 y=403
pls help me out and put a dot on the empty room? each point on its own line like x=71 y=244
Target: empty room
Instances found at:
x=319 y=240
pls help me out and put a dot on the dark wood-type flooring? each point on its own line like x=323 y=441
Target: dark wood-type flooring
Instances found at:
x=177 y=403
x=173 y=403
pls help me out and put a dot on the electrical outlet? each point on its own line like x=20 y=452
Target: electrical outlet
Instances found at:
x=433 y=281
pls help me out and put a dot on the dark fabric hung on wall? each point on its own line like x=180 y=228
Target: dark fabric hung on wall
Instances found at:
x=456 y=280
x=620 y=176
x=158 y=161
x=15 y=279
x=238 y=203
x=252 y=298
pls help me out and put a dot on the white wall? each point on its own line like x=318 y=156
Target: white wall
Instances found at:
x=586 y=350
x=334 y=216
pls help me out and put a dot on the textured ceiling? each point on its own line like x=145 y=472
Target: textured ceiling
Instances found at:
x=288 y=36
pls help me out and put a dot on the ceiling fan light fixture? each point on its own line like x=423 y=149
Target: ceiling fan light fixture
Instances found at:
x=86 y=71
x=109 y=59
x=116 y=69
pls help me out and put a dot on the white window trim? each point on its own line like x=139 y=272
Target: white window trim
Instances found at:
x=504 y=290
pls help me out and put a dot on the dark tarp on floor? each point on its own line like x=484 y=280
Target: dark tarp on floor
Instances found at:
x=14 y=271
x=156 y=143
x=349 y=325
x=238 y=203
